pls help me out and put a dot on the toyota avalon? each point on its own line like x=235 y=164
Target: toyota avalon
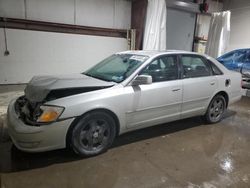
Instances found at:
x=126 y=91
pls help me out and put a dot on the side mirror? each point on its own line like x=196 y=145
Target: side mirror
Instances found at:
x=142 y=80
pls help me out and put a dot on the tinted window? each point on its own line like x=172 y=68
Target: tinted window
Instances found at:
x=194 y=66
x=162 y=69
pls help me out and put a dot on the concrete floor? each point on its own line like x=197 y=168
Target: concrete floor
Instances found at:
x=185 y=153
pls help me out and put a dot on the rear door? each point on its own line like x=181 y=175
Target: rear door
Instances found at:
x=199 y=85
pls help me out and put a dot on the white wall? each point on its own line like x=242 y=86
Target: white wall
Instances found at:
x=35 y=53
x=240 y=23
x=97 y=13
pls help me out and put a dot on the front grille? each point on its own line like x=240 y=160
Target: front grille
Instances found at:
x=27 y=110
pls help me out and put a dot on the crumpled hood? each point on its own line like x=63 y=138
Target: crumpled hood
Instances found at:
x=40 y=86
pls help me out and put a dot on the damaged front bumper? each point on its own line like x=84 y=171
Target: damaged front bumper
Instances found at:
x=36 y=138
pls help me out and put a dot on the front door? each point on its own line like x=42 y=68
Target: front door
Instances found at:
x=160 y=101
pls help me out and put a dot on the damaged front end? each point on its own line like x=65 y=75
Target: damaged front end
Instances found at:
x=31 y=112
x=31 y=107
x=28 y=111
x=36 y=113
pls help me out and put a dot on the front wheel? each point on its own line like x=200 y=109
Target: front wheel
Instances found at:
x=93 y=133
x=216 y=109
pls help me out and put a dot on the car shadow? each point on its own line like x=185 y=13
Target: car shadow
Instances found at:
x=14 y=160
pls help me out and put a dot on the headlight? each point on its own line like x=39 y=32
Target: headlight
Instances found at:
x=49 y=113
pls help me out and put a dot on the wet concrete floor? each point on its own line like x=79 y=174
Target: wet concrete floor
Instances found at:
x=184 y=153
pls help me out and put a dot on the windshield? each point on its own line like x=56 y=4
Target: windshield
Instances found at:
x=116 y=68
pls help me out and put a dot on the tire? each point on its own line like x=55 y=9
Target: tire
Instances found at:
x=93 y=134
x=215 y=110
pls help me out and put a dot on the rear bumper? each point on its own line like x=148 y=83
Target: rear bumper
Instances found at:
x=36 y=138
x=246 y=83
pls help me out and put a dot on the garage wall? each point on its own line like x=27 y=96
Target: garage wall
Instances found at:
x=36 y=52
x=240 y=23
x=98 y=13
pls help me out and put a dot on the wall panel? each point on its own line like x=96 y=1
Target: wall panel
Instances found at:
x=12 y=8
x=240 y=23
x=60 y=11
x=37 y=53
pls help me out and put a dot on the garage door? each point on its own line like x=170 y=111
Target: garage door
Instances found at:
x=180 y=29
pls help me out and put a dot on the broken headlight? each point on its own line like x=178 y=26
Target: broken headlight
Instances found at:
x=49 y=113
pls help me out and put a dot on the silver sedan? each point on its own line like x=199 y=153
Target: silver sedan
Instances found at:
x=127 y=91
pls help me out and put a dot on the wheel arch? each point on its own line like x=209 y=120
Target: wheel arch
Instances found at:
x=111 y=113
x=225 y=95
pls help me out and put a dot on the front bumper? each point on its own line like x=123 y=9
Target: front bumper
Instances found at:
x=36 y=138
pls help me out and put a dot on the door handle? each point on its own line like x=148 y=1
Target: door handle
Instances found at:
x=212 y=83
x=177 y=89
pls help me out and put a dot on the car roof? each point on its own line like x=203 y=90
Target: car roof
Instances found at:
x=152 y=53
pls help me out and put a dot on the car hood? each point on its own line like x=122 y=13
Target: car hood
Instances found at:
x=40 y=87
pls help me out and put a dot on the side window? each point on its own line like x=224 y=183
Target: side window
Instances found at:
x=162 y=69
x=194 y=66
x=215 y=69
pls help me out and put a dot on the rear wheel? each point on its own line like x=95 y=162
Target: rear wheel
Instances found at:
x=93 y=133
x=216 y=109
